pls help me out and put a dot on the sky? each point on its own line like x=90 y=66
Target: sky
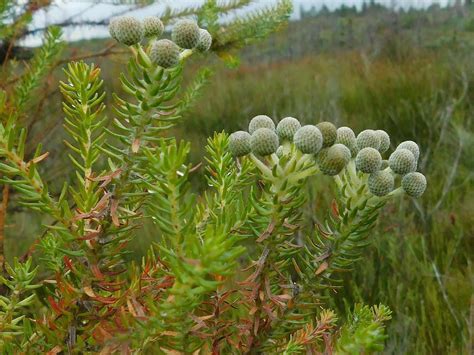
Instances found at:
x=97 y=10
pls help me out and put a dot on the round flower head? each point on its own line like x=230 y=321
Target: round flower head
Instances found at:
x=414 y=184
x=368 y=138
x=261 y=121
x=384 y=140
x=402 y=161
x=368 y=160
x=332 y=160
x=308 y=139
x=287 y=128
x=381 y=183
x=384 y=165
x=264 y=141
x=205 y=41
x=186 y=34
x=239 y=143
x=346 y=136
x=127 y=30
x=329 y=132
x=113 y=27
x=152 y=26
x=164 y=53
x=412 y=147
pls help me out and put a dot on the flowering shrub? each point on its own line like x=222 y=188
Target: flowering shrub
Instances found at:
x=233 y=269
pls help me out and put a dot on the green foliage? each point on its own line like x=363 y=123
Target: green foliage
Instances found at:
x=365 y=330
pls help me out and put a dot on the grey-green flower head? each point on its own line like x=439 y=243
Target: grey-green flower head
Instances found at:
x=384 y=165
x=152 y=26
x=368 y=138
x=186 y=34
x=205 y=40
x=113 y=27
x=346 y=136
x=329 y=132
x=287 y=128
x=264 y=141
x=239 y=143
x=381 y=183
x=332 y=160
x=164 y=53
x=412 y=147
x=127 y=30
x=368 y=160
x=402 y=161
x=384 y=140
x=414 y=184
x=261 y=121
x=308 y=139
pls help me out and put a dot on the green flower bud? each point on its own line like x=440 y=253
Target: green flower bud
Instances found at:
x=384 y=165
x=113 y=27
x=287 y=128
x=186 y=34
x=381 y=183
x=127 y=30
x=368 y=160
x=152 y=26
x=264 y=141
x=239 y=143
x=205 y=41
x=308 y=139
x=332 y=160
x=402 y=161
x=261 y=121
x=414 y=184
x=329 y=132
x=384 y=140
x=368 y=138
x=164 y=53
x=412 y=147
x=346 y=136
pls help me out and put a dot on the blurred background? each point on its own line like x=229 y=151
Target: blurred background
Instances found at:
x=403 y=66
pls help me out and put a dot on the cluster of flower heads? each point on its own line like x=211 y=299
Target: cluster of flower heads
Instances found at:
x=333 y=149
x=185 y=34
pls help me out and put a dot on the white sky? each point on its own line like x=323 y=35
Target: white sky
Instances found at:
x=96 y=10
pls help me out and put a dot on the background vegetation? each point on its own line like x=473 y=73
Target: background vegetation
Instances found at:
x=410 y=73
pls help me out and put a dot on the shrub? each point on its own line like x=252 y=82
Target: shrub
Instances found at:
x=232 y=269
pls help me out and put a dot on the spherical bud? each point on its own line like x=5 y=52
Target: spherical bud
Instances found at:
x=384 y=140
x=346 y=136
x=329 y=132
x=205 y=41
x=261 y=121
x=280 y=151
x=308 y=139
x=152 y=26
x=368 y=160
x=113 y=27
x=186 y=34
x=412 y=147
x=381 y=183
x=414 y=184
x=332 y=160
x=287 y=128
x=239 y=143
x=384 y=165
x=402 y=161
x=164 y=53
x=368 y=138
x=127 y=30
x=264 y=141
